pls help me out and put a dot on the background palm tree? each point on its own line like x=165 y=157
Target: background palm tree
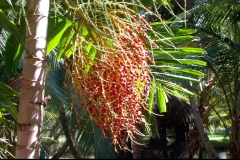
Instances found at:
x=219 y=92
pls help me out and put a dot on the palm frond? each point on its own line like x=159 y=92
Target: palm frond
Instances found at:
x=88 y=136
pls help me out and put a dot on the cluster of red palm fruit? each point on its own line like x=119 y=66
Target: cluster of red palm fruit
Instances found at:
x=117 y=83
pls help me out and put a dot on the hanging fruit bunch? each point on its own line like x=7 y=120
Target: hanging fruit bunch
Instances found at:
x=110 y=71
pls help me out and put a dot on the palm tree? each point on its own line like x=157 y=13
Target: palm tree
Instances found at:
x=220 y=91
x=94 y=36
x=32 y=97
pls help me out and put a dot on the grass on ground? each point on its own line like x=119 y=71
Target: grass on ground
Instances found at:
x=218 y=141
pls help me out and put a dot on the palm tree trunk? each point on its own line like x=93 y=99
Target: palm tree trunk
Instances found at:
x=163 y=133
x=198 y=121
x=33 y=81
x=136 y=148
x=60 y=151
x=68 y=134
x=192 y=146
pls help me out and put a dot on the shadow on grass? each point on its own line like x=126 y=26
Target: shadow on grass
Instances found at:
x=219 y=141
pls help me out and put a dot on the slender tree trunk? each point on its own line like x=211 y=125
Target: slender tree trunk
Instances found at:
x=163 y=133
x=136 y=148
x=199 y=124
x=60 y=151
x=234 y=145
x=33 y=81
x=68 y=134
x=192 y=146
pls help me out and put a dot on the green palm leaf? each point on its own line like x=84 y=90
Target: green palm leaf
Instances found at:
x=56 y=30
x=90 y=139
x=161 y=99
x=5 y=101
x=7 y=24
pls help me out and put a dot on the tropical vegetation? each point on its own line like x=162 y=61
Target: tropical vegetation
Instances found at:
x=94 y=71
